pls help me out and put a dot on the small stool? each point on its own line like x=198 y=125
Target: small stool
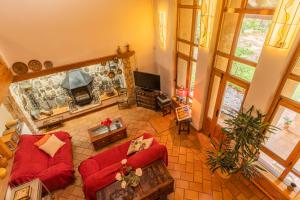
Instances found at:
x=3 y=173
x=184 y=126
x=164 y=104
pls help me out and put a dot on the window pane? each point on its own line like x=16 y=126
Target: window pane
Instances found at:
x=221 y=63
x=297 y=167
x=296 y=69
x=181 y=72
x=186 y=2
x=195 y=53
x=213 y=96
x=242 y=71
x=198 y=27
x=252 y=36
x=271 y=165
x=227 y=32
x=284 y=140
x=185 y=23
x=184 y=48
x=292 y=90
x=193 y=78
x=262 y=3
x=232 y=100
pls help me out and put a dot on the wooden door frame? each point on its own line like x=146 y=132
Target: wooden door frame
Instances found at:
x=231 y=56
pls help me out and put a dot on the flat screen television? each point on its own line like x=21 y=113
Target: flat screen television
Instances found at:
x=146 y=80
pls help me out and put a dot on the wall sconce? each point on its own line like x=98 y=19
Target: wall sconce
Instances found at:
x=284 y=24
x=163 y=29
x=208 y=10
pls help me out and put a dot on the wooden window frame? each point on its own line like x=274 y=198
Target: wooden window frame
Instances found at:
x=189 y=58
x=280 y=100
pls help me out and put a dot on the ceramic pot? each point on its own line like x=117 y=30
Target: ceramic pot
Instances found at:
x=223 y=175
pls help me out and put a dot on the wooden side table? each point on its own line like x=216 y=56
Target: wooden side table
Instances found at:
x=36 y=191
x=184 y=118
x=101 y=136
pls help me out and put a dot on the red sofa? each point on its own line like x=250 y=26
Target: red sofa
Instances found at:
x=100 y=170
x=30 y=162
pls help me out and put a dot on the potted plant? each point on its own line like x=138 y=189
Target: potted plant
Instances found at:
x=238 y=151
x=287 y=122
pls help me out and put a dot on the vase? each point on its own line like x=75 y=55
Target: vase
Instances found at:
x=222 y=174
x=3 y=162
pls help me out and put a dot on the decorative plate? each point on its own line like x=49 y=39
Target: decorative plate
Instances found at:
x=116 y=60
x=111 y=74
x=48 y=64
x=20 y=68
x=119 y=71
x=35 y=65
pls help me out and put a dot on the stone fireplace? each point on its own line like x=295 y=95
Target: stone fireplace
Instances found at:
x=66 y=94
x=78 y=84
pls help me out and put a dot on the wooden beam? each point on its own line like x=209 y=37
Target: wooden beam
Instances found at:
x=77 y=65
x=6 y=78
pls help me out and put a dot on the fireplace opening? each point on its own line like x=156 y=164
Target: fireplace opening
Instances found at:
x=78 y=84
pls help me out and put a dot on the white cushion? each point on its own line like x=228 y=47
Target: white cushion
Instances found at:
x=52 y=145
x=135 y=145
x=146 y=143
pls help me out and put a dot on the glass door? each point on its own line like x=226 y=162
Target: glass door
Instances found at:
x=241 y=37
x=230 y=97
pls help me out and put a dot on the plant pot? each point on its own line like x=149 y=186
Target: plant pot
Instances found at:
x=223 y=175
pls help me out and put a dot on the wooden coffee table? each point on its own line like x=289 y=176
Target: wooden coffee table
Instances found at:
x=101 y=136
x=156 y=183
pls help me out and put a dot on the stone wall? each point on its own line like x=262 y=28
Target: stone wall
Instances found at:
x=46 y=93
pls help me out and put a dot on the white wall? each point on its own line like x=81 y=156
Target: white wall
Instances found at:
x=4 y=116
x=69 y=31
x=270 y=70
x=165 y=57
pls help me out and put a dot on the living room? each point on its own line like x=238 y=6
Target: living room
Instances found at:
x=150 y=99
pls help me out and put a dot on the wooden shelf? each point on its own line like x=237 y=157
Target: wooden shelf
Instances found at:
x=146 y=99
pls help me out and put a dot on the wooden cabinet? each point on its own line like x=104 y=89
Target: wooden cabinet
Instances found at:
x=38 y=191
x=146 y=99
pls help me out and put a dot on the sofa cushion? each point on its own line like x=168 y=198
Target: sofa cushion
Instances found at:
x=135 y=145
x=52 y=145
x=42 y=140
x=146 y=144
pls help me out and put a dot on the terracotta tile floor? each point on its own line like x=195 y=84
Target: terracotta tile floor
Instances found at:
x=193 y=180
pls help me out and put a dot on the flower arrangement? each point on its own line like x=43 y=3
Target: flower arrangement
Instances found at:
x=127 y=176
x=106 y=123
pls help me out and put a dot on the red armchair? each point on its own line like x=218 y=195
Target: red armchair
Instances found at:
x=30 y=162
x=99 y=171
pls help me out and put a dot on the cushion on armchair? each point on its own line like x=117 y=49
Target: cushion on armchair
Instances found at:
x=99 y=171
x=30 y=162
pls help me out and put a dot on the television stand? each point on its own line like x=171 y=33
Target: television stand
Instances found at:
x=146 y=98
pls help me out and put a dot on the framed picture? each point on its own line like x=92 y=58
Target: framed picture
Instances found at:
x=15 y=138
x=10 y=145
